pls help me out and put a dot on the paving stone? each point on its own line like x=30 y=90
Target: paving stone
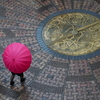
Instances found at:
x=34 y=70
x=95 y=66
x=58 y=64
x=2 y=12
x=80 y=78
x=45 y=8
x=8 y=33
x=82 y=93
x=52 y=76
x=47 y=88
x=79 y=67
x=9 y=92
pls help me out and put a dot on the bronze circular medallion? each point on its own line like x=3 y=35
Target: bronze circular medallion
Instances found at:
x=72 y=33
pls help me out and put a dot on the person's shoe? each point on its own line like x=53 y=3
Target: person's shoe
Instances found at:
x=12 y=87
x=22 y=88
x=11 y=83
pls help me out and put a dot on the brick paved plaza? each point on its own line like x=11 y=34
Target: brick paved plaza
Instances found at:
x=49 y=77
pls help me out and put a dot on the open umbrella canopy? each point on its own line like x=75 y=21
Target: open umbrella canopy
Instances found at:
x=17 y=57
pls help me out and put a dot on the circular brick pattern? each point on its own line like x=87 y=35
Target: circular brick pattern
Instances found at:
x=49 y=77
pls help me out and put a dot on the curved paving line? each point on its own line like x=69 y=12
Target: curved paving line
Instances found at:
x=50 y=51
x=81 y=78
x=95 y=66
x=58 y=64
x=46 y=88
x=46 y=7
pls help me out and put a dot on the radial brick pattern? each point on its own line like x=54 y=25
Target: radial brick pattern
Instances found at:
x=50 y=77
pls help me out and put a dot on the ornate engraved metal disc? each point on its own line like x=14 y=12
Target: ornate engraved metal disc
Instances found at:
x=73 y=33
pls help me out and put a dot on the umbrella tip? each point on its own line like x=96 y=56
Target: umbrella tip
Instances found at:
x=13 y=59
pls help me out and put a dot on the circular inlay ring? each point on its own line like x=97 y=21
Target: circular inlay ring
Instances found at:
x=70 y=34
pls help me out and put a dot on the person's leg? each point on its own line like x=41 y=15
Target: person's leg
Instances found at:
x=12 y=79
x=22 y=79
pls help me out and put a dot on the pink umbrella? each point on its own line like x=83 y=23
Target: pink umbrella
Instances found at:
x=17 y=57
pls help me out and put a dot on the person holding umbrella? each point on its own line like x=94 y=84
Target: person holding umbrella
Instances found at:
x=17 y=58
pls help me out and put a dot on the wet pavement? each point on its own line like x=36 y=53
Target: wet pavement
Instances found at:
x=49 y=77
